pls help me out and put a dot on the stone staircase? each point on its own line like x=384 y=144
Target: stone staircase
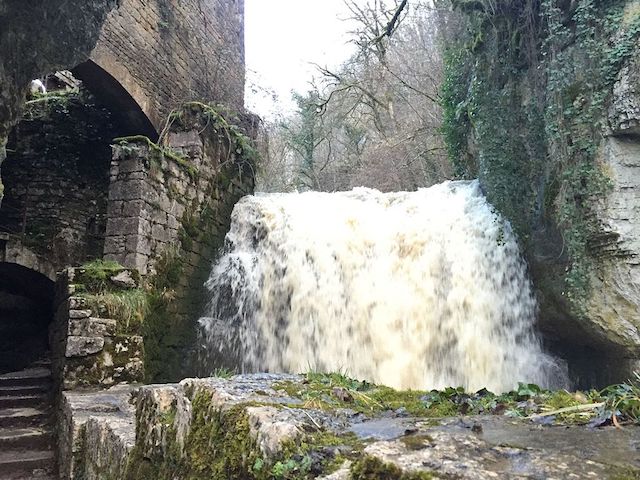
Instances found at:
x=26 y=424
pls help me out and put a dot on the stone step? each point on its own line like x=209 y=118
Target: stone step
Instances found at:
x=43 y=362
x=18 y=464
x=23 y=438
x=21 y=401
x=23 y=417
x=29 y=376
x=22 y=390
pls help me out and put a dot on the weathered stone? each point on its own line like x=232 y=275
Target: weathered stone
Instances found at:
x=272 y=427
x=99 y=448
x=92 y=327
x=624 y=112
x=77 y=303
x=161 y=61
x=124 y=279
x=83 y=346
x=475 y=448
x=75 y=314
x=343 y=473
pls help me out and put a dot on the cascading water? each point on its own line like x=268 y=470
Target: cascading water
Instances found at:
x=418 y=290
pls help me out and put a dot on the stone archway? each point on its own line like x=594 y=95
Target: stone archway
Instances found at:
x=123 y=97
x=57 y=184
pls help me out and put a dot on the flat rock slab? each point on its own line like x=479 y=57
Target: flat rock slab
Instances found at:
x=83 y=346
x=111 y=417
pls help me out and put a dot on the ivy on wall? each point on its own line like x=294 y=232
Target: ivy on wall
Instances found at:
x=526 y=89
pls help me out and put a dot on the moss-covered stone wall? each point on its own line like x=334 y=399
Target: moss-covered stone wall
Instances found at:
x=169 y=209
x=57 y=176
x=95 y=337
x=34 y=41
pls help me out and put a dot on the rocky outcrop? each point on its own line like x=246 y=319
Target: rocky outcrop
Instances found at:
x=552 y=126
x=274 y=427
x=36 y=39
x=613 y=310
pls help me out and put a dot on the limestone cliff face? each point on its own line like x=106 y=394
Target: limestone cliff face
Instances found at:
x=548 y=107
x=39 y=37
x=614 y=306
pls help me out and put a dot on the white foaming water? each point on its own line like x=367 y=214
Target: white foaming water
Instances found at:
x=417 y=290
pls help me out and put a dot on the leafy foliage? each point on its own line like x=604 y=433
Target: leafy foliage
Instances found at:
x=612 y=405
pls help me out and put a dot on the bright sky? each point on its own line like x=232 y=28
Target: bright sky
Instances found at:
x=283 y=38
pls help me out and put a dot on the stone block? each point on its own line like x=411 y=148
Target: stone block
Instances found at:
x=92 y=327
x=124 y=279
x=78 y=346
x=77 y=303
x=126 y=190
x=159 y=232
x=185 y=139
x=114 y=244
x=122 y=226
x=73 y=314
x=133 y=208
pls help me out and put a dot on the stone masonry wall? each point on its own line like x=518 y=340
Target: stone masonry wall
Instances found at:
x=57 y=177
x=87 y=349
x=168 y=214
x=39 y=37
x=148 y=197
x=168 y=52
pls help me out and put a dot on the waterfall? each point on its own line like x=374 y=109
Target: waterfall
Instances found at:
x=417 y=290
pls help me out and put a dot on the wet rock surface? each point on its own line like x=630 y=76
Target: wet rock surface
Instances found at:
x=500 y=447
x=249 y=425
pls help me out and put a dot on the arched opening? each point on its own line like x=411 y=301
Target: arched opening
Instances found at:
x=57 y=170
x=112 y=95
x=26 y=299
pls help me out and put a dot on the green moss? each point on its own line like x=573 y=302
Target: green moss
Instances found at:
x=159 y=152
x=371 y=468
x=219 y=443
x=417 y=442
x=335 y=390
x=625 y=474
x=455 y=120
x=217 y=117
x=318 y=451
x=96 y=275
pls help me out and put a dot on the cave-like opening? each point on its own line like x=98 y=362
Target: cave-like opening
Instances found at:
x=26 y=299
